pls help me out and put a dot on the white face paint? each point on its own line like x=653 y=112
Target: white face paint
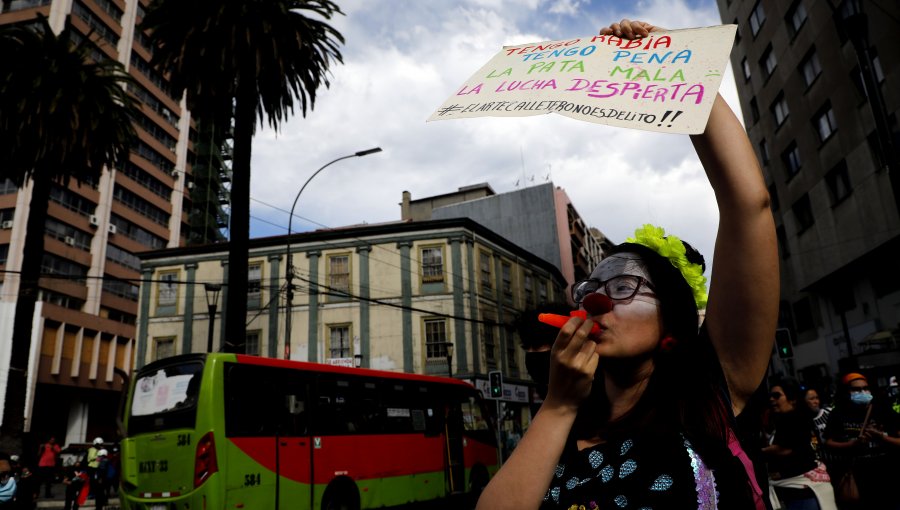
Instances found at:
x=633 y=327
x=626 y=263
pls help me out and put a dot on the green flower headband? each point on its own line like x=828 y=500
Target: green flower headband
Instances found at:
x=673 y=249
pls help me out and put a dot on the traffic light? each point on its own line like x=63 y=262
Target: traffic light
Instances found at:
x=783 y=343
x=496 y=379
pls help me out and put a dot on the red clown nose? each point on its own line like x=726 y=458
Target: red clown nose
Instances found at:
x=597 y=304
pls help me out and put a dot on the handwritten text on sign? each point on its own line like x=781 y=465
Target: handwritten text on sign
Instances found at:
x=665 y=82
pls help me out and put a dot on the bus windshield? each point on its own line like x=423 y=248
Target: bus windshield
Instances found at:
x=165 y=398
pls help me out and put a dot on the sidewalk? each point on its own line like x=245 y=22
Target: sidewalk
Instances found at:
x=59 y=499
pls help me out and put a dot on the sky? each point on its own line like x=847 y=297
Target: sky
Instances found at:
x=403 y=58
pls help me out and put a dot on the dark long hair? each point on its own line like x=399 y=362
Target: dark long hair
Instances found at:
x=686 y=389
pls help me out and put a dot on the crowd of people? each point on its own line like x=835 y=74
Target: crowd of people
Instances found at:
x=90 y=474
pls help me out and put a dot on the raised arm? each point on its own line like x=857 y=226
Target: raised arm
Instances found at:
x=743 y=298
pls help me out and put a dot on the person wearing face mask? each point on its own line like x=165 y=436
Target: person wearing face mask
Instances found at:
x=871 y=447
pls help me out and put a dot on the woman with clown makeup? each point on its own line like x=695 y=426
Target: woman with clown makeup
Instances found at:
x=642 y=403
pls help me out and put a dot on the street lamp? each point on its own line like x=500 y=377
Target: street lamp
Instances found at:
x=289 y=266
x=357 y=360
x=212 y=302
x=448 y=346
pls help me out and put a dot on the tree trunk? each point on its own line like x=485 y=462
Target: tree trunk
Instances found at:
x=33 y=254
x=236 y=302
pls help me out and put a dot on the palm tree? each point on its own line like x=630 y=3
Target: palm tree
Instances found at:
x=258 y=56
x=62 y=116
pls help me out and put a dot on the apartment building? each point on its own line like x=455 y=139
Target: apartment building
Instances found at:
x=539 y=218
x=819 y=84
x=429 y=297
x=88 y=304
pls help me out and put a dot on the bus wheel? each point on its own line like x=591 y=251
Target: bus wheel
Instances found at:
x=341 y=494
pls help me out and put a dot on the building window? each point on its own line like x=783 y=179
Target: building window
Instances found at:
x=876 y=66
x=754 y=110
x=432 y=264
x=810 y=67
x=838 y=181
x=254 y=285
x=339 y=277
x=803 y=316
x=251 y=345
x=165 y=347
x=791 y=159
x=764 y=151
x=796 y=17
x=542 y=291
x=802 y=210
x=773 y=198
x=436 y=339
x=757 y=18
x=746 y=67
x=490 y=346
x=825 y=123
x=512 y=362
x=506 y=276
x=484 y=263
x=768 y=62
x=167 y=293
x=528 y=284
x=339 y=341
x=783 y=242
x=780 y=110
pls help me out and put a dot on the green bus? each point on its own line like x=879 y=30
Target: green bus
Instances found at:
x=232 y=431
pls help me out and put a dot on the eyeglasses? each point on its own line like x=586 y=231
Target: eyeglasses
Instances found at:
x=620 y=287
x=859 y=389
x=776 y=395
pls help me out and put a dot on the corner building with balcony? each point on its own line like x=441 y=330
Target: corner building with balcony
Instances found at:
x=819 y=85
x=88 y=301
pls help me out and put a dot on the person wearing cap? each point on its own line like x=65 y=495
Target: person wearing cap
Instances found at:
x=871 y=447
x=92 y=461
x=99 y=482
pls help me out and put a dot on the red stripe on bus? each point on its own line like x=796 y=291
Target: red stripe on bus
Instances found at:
x=319 y=367
x=386 y=455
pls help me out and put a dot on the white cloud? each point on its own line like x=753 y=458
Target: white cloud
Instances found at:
x=403 y=58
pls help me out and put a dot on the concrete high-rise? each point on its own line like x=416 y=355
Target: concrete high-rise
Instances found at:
x=819 y=84
x=88 y=302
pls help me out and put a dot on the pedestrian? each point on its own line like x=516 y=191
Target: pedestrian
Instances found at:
x=863 y=436
x=7 y=483
x=92 y=461
x=819 y=414
x=77 y=486
x=28 y=489
x=537 y=340
x=661 y=392
x=48 y=456
x=99 y=481
x=798 y=479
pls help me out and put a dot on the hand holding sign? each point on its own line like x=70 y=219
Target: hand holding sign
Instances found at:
x=632 y=75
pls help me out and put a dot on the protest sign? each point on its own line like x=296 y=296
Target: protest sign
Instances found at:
x=664 y=82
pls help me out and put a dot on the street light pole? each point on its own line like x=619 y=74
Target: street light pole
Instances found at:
x=212 y=302
x=289 y=266
x=448 y=346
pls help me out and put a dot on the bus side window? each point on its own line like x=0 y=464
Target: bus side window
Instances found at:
x=473 y=419
x=252 y=403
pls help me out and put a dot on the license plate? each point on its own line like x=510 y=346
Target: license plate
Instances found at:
x=157 y=507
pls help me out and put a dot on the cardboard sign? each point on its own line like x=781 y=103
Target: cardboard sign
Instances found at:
x=665 y=82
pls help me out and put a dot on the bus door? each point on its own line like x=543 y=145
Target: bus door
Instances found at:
x=268 y=447
x=294 y=444
x=453 y=443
